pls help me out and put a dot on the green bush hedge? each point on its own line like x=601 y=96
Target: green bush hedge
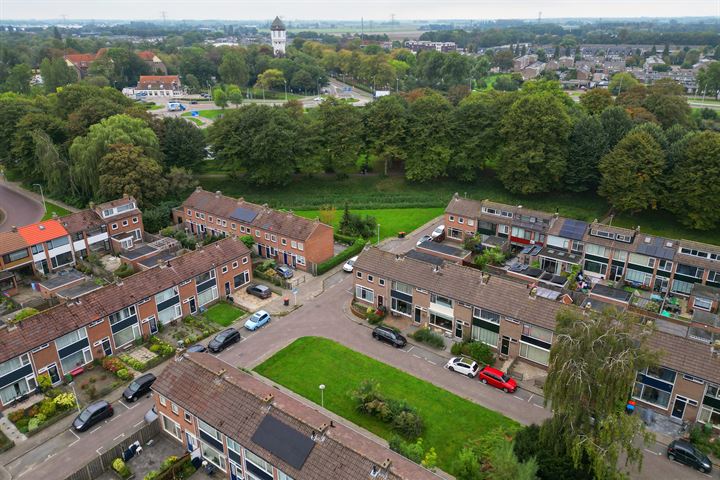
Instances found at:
x=478 y=351
x=346 y=239
x=341 y=257
x=403 y=418
x=433 y=339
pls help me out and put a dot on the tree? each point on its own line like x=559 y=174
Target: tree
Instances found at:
x=56 y=73
x=504 y=60
x=668 y=106
x=385 y=127
x=553 y=458
x=339 y=129
x=596 y=100
x=466 y=466
x=233 y=67
x=588 y=143
x=429 y=128
x=182 y=143
x=536 y=131
x=125 y=169
x=594 y=361
x=302 y=81
x=270 y=78
x=18 y=80
x=695 y=182
x=505 y=465
x=180 y=180
x=632 y=173
x=24 y=158
x=234 y=95
x=87 y=151
x=622 y=81
x=220 y=97
x=708 y=79
x=616 y=123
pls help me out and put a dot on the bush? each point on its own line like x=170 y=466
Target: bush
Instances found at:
x=169 y=461
x=33 y=424
x=346 y=239
x=23 y=314
x=403 y=418
x=413 y=451
x=248 y=240
x=112 y=364
x=479 y=352
x=44 y=382
x=53 y=392
x=65 y=401
x=425 y=335
x=120 y=468
x=124 y=270
x=124 y=374
x=48 y=408
x=132 y=362
x=265 y=266
x=22 y=424
x=341 y=257
x=357 y=225
x=16 y=415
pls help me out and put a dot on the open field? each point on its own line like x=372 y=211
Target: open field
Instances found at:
x=451 y=422
x=211 y=114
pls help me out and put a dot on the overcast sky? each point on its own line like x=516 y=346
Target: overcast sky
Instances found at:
x=351 y=9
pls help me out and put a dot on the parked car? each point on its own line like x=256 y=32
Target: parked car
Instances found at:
x=496 y=378
x=463 y=365
x=685 y=452
x=350 y=264
x=224 y=339
x=284 y=271
x=193 y=102
x=139 y=387
x=93 y=413
x=257 y=320
x=439 y=232
x=423 y=239
x=260 y=291
x=388 y=335
x=198 y=347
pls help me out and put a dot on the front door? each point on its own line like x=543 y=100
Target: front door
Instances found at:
x=227 y=289
x=191 y=442
x=679 y=407
x=418 y=315
x=285 y=258
x=505 y=346
x=458 y=330
x=381 y=301
x=53 y=372
x=193 y=307
x=661 y=284
x=107 y=349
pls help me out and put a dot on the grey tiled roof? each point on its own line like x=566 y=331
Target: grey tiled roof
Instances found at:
x=233 y=402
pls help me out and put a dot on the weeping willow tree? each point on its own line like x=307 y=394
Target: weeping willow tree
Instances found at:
x=53 y=166
x=594 y=360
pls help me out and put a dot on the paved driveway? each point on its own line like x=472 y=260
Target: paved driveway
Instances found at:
x=17 y=209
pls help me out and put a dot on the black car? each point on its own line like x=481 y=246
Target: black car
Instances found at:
x=93 y=413
x=139 y=387
x=685 y=452
x=385 y=334
x=224 y=339
x=198 y=347
x=260 y=291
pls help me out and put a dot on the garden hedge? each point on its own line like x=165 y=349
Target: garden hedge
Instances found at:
x=341 y=257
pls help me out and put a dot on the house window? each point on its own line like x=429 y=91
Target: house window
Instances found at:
x=702 y=303
x=300 y=246
x=451 y=218
x=293 y=244
x=225 y=269
x=471 y=222
x=245 y=260
x=401 y=306
x=440 y=321
x=254 y=460
x=381 y=282
x=257 y=233
x=273 y=238
x=461 y=220
x=364 y=294
x=534 y=354
x=210 y=218
x=358 y=274
x=232 y=226
x=486 y=315
x=402 y=287
x=370 y=278
x=125 y=223
x=654 y=386
x=189 y=212
x=212 y=456
x=596 y=250
x=172 y=428
x=283 y=241
x=135 y=219
x=174 y=408
x=234 y=265
x=188 y=417
x=300 y=260
x=162 y=401
x=442 y=301
x=114 y=226
x=267 y=236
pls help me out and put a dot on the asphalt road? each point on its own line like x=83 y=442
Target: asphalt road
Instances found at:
x=17 y=209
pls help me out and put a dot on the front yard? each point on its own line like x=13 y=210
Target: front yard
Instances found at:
x=224 y=314
x=451 y=422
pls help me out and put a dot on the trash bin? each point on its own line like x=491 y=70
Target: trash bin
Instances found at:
x=401 y=234
x=286 y=301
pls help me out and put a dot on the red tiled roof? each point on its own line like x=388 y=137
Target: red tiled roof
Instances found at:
x=11 y=242
x=159 y=78
x=42 y=231
x=80 y=57
x=146 y=55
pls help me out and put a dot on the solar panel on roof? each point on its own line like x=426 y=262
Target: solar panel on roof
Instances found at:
x=573 y=229
x=243 y=214
x=283 y=441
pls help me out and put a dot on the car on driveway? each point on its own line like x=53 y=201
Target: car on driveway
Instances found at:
x=463 y=365
x=685 y=452
x=388 y=335
x=139 y=387
x=198 y=347
x=439 y=232
x=284 y=271
x=498 y=379
x=350 y=264
x=423 y=239
x=93 y=413
x=257 y=320
x=224 y=339
x=260 y=291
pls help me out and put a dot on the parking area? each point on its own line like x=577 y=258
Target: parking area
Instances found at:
x=251 y=303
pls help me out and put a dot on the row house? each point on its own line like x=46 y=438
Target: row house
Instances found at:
x=283 y=236
x=422 y=45
x=158 y=86
x=51 y=245
x=250 y=430
x=63 y=339
x=518 y=321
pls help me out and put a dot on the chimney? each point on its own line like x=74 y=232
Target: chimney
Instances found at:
x=14 y=229
x=160 y=263
x=436 y=269
x=198 y=188
x=217 y=193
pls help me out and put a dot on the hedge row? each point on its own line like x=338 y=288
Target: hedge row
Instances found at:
x=351 y=251
x=346 y=239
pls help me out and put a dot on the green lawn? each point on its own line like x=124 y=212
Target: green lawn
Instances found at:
x=224 y=314
x=451 y=422
x=194 y=120
x=391 y=220
x=51 y=208
x=211 y=114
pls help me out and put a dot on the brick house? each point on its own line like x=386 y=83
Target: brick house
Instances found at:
x=517 y=320
x=248 y=429
x=80 y=62
x=283 y=236
x=156 y=66
x=103 y=322
x=159 y=86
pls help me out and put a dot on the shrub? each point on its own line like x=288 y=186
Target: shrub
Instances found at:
x=33 y=424
x=425 y=335
x=22 y=424
x=408 y=424
x=16 y=415
x=413 y=451
x=112 y=364
x=152 y=475
x=133 y=362
x=480 y=352
x=23 y=314
x=33 y=410
x=48 y=408
x=120 y=468
x=44 y=382
x=402 y=417
x=124 y=270
x=346 y=239
x=53 y=392
x=168 y=231
x=124 y=374
x=248 y=240
x=65 y=401
x=168 y=462
x=351 y=251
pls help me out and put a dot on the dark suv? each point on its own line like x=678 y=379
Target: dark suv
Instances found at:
x=139 y=387
x=385 y=334
x=223 y=340
x=93 y=413
x=685 y=452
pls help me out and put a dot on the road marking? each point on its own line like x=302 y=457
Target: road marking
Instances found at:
x=536 y=405
x=119 y=437
x=531 y=397
x=97 y=450
x=73 y=432
x=98 y=428
x=416 y=356
x=519 y=398
x=124 y=405
x=409 y=349
x=653 y=452
x=73 y=443
x=139 y=423
x=430 y=361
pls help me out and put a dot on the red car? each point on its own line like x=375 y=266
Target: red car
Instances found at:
x=497 y=379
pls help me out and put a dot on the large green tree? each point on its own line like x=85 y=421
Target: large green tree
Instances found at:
x=87 y=151
x=695 y=182
x=24 y=159
x=632 y=173
x=588 y=143
x=622 y=81
x=18 y=80
x=708 y=79
x=596 y=100
x=536 y=131
x=385 y=125
x=616 y=123
x=233 y=67
x=429 y=149
x=126 y=169
x=56 y=73
x=182 y=143
x=339 y=135
x=594 y=360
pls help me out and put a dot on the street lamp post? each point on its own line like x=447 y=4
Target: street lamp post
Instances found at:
x=285 y=82
x=378 y=233
x=322 y=395
x=77 y=404
x=397 y=84
x=42 y=195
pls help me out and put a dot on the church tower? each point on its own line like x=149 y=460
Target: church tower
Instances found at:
x=278 y=36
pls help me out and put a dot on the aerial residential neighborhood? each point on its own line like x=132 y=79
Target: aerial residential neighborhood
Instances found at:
x=450 y=241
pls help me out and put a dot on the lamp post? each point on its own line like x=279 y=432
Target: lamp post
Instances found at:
x=77 y=404
x=285 y=82
x=378 y=232
x=322 y=395
x=397 y=84
x=42 y=195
